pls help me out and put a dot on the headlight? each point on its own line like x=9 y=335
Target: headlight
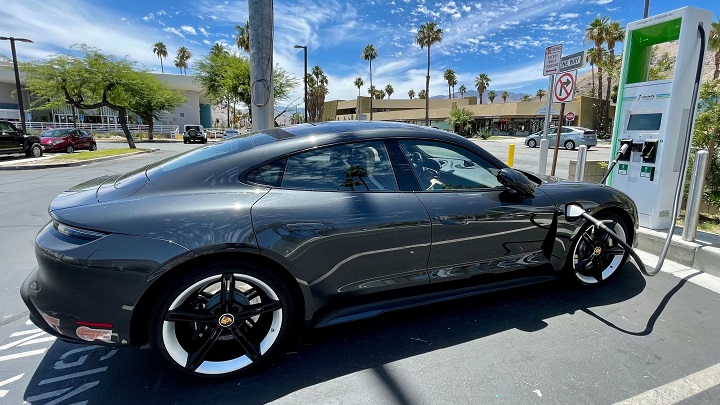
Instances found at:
x=75 y=232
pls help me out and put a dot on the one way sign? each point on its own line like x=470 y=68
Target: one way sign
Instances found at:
x=564 y=87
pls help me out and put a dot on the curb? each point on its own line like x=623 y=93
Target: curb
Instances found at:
x=72 y=164
x=703 y=254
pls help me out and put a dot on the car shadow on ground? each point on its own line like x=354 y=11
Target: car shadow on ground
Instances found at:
x=107 y=375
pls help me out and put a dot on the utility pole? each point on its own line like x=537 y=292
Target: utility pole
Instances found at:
x=21 y=107
x=260 y=16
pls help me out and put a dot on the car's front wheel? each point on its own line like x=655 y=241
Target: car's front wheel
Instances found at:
x=595 y=255
x=93 y=147
x=532 y=143
x=223 y=319
x=569 y=145
x=35 y=151
x=70 y=149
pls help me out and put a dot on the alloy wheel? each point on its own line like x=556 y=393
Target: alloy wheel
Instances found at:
x=596 y=255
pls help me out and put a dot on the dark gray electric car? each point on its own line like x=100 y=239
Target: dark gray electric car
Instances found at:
x=218 y=256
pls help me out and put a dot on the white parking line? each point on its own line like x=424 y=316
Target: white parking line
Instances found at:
x=678 y=390
x=697 y=277
x=22 y=354
x=25 y=339
x=38 y=340
x=25 y=332
x=11 y=380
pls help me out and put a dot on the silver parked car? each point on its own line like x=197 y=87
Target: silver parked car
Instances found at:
x=570 y=137
x=231 y=132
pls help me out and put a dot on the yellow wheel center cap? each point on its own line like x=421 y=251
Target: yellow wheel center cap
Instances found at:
x=598 y=250
x=226 y=320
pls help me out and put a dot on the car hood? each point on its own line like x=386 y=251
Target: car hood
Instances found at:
x=101 y=189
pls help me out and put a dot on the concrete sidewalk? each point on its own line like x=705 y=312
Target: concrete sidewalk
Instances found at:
x=703 y=254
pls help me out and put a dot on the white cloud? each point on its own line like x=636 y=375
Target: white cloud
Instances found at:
x=206 y=42
x=188 y=29
x=602 y=2
x=149 y=17
x=569 y=15
x=173 y=31
x=203 y=31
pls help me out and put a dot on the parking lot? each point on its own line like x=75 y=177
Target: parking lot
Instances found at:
x=548 y=343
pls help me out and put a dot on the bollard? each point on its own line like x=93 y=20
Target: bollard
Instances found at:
x=511 y=155
x=697 y=186
x=542 y=163
x=580 y=168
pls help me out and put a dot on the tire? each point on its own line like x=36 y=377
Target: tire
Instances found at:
x=191 y=132
x=531 y=143
x=197 y=333
x=70 y=149
x=204 y=140
x=93 y=147
x=569 y=145
x=185 y=141
x=35 y=151
x=584 y=264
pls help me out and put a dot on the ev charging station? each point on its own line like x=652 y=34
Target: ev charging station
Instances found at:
x=654 y=117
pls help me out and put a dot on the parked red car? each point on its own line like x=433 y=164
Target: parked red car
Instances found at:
x=67 y=140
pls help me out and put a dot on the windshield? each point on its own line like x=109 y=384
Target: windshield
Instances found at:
x=54 y=133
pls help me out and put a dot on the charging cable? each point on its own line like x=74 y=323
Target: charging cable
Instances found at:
x=621 y=152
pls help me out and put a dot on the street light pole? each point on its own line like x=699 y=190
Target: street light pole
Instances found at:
x=17 y=77
x=304 y=48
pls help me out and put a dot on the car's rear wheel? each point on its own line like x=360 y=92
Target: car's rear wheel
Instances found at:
x=223 y=319
x=532 y=143
x=70 y=149
x=569 y=145
x=93 y=147
x=594 y=255
x=35 y=151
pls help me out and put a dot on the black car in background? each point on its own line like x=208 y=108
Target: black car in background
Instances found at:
x=13 y=140
x=219 y=255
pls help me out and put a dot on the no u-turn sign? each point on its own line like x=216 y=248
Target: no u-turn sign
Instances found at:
x=564 y=87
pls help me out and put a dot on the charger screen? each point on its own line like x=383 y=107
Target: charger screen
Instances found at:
x=644 y=122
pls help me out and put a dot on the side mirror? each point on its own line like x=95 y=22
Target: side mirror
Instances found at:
x=516 y=181
x=573 y=211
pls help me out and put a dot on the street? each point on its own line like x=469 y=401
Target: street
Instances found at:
x=548 y=343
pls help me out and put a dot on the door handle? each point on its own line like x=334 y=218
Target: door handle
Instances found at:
x=454 y=220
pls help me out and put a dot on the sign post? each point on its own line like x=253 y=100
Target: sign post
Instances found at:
x=563 y=92
x=551 y=66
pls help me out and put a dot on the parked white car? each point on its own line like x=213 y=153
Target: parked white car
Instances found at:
x=570 y=137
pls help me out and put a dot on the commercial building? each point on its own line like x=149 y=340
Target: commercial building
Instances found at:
x=196 y=110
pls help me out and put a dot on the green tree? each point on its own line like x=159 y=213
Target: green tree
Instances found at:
x=427 y=35
x=462 y=90
x=422 y=95
x=714 y=45
x=592 y=57
x=540 y=94
x=707 y=129
x=613 y=33
x=90 y=81
x=178 y=64
x=359 y=83
x=242 y=37
x=369 y=53
x=449 y=77
x=504 y=96
x=595 y=34
x=183 y=56
x=389 y=90
x=491 y=96
x=317 y=90
x=461 y=120
x=411 y=94
x=218 y=49
x=481 y=83
x=151 y=99
x=525 y=97
x=160 y=50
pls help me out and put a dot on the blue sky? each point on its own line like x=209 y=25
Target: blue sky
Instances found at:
x=504 y=39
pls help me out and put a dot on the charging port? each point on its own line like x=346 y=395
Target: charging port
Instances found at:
x=649 y=151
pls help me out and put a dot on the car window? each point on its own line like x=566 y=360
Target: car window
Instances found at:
x=361 y=166
x=442 y=167
x=269 y=174
x=566 y=130
x=4 y=126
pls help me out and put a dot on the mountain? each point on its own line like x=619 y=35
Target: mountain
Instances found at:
x=513 y=96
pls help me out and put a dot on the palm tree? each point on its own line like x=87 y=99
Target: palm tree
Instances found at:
x=491 y=96
x=389 y=90
x=369 y=54
x=372 y=92
x=242 y=37
x=714 y=45
x=427 y=35
x=540 y=94
x=411 y=94
x=422 y=94
x=462 y=90
x=592 y=57
x=449 y=77
x=453 y=83
x=160 y=50
x=595 y=33
x=183 y=55
x=525 y=97
x=380 y=94
x=481 y=83
x=218 y=49
x=178 y=64
x=614 y=33
x=504 y=95
x=359 y=83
